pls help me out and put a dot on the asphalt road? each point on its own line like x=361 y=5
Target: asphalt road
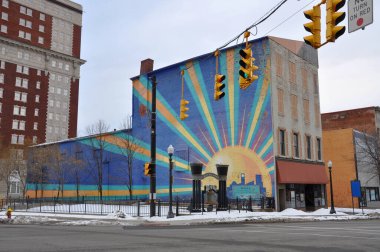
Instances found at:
x=306 y=236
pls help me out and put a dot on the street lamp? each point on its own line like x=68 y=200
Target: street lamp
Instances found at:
x=332 y=210
x=170 y=152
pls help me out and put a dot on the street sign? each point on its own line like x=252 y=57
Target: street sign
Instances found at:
x=356 y=188
x=360 y=14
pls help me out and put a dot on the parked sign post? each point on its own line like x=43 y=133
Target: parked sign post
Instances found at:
x=360 y=14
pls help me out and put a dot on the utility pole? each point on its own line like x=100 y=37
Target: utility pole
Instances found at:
x=153 y=149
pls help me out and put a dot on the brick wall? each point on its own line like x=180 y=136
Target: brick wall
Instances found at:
x=339 y=148
x=360 y=119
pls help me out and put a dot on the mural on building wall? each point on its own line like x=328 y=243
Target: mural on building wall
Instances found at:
x=236 y=130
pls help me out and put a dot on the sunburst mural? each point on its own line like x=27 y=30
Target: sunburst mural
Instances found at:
x=236 y=130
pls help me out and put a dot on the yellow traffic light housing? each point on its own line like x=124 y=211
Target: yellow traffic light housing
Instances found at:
x=314 y=27
x=218 y=93
x=333 y=18
x=183 y=109
x=245 y=65
x=147 y=169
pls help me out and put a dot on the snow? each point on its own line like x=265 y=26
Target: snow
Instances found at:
x=118 y=217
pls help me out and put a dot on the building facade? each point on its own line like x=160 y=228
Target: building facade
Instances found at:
x=347 y=139
x=39 y=73
x=269 y=134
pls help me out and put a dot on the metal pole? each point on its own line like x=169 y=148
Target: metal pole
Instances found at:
x=332 y=210
x=153 y=149
x=170 y=213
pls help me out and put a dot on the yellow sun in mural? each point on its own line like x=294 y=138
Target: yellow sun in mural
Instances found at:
x=239 y=160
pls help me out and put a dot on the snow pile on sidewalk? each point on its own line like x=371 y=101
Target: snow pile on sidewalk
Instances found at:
x=120 y=218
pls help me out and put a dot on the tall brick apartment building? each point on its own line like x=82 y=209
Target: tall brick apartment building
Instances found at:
x=39 y=70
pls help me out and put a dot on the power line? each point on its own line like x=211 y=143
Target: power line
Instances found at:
x=285 y=20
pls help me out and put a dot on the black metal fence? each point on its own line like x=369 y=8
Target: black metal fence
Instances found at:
x=135 y=208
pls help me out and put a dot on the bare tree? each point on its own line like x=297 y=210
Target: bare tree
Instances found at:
x=98 y=132
x=37 y=169
x=76 y=168
x=368 y=153
x=128 y=147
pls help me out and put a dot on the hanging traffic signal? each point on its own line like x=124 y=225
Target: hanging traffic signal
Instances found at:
x=218 y=93
x=245 y=72
x=333 y=18
x=245 y=64
x=314 y=27
x=147 y=169
x=183 y=109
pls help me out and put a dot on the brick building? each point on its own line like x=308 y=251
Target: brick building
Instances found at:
x=345 y=134
x=39 y=70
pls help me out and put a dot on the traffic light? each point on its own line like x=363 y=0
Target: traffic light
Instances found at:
x=333 y=18
x=314 y=27
x=218 y=93
x=147 y=169
x=245 y=66
x=183 y=109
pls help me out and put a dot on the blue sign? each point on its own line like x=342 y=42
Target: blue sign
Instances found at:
x=355 y=188
x=246 y=191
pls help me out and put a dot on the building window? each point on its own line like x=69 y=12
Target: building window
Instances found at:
x=53 y=63
x=36 y=112
x=304 y=80
x=319 y=150
x=67 y=67
x=17 y=139
x=4 y=16
x=1 y=93
x=2 y=65
x=41 y=28
x=317 y=114
x=2 y=78
x=29 y=12
x=282 y=142
x=40 y=40
x=315 y=84
x=14 y=139
x=372 y=193
x=58 y=91
x=278 y=64
x=1 y=107
x=292 y=72
x=35 y=126
x=294 y=107
x=65 y=92
x=4 y=29
x=58 y=104
x=280 y=100
x=308 y=147
x=22 y=10
x=38 y=85
x=42 y=16
x=5 y=3
x=51 y=103
x=34 y=139
x=306 y=110
x=19 y=110
x=296 y=145
x=37 y=98
x=39 y=72
x=50 y=116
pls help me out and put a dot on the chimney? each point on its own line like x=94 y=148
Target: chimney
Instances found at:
x=146 y=66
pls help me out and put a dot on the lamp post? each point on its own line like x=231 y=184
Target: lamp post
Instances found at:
x=332 y=210
x=170 y=152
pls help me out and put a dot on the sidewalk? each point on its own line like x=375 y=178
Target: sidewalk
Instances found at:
x=288 y=215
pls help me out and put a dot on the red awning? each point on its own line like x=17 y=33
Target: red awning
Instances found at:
x=291 y=172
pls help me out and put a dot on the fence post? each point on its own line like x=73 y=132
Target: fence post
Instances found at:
x=85 y=206
x=14 y=204
x=237 y=204
x=203 y=203
x=177 y=207
x=101 y=207
x=40 y=205
x=159 y=208
x=27 y=204
x=69 y=206
x=138 y=208
x=54 y=205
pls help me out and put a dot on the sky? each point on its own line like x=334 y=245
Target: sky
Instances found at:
x=118 y=34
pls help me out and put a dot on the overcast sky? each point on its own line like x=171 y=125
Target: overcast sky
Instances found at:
x=118 y=34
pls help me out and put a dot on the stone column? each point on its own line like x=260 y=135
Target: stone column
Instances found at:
x=196 y=171
x=222 y=193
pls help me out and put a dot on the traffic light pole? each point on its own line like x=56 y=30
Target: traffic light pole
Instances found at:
x=153 y=149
